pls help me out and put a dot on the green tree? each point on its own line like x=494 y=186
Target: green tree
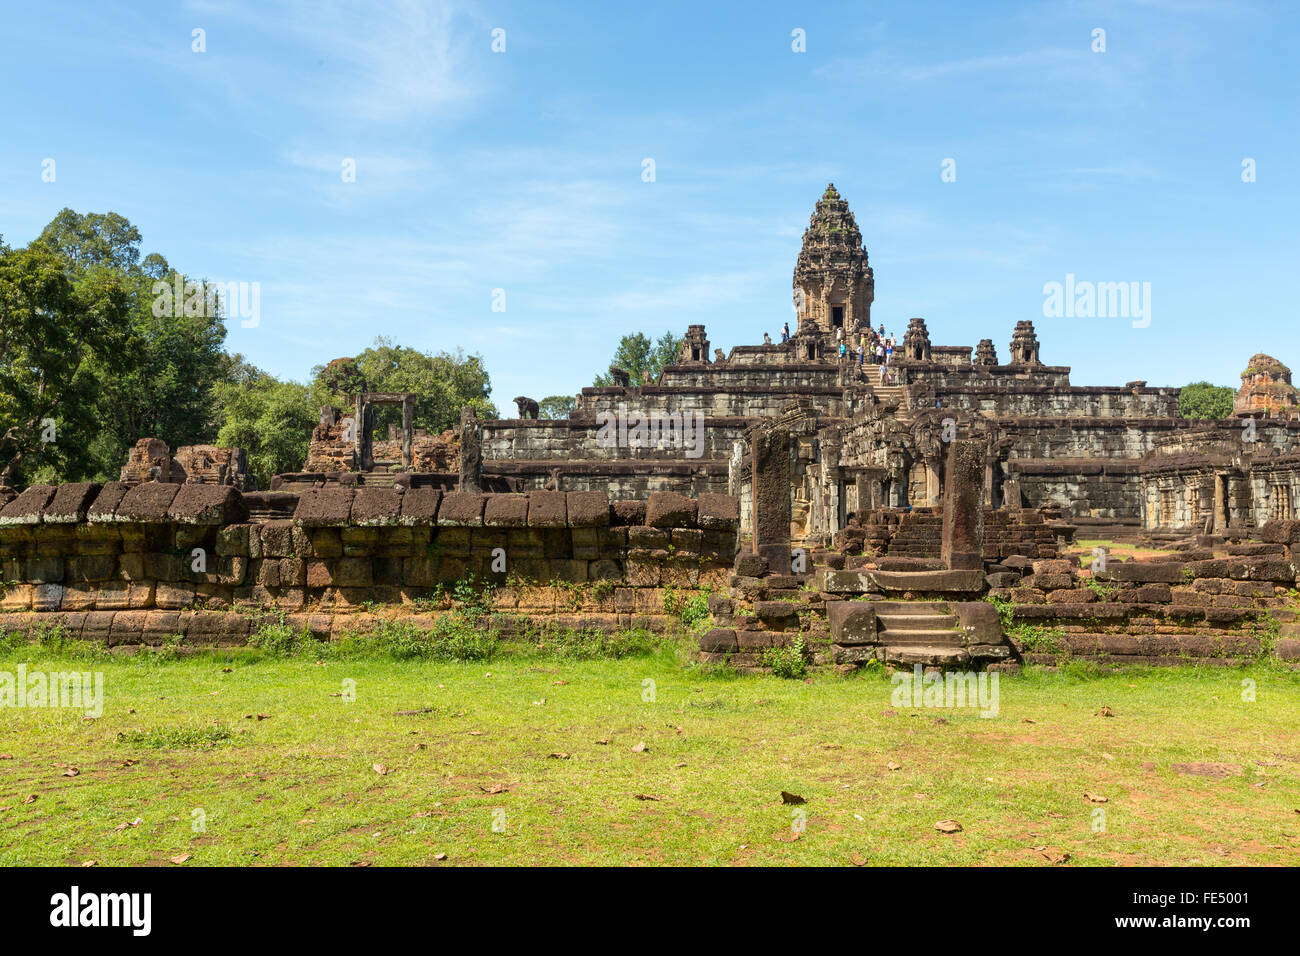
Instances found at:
x=442 y=382
x=159 y=382
x=56 y=323
x=270 y=419
x=555 y=406
x=94 y=239
x=1203 y=400
x=641 y=359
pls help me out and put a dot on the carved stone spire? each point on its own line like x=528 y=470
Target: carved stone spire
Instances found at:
x=916 y=341
x=985 y=353
x=1024 y=345
x=833 y=284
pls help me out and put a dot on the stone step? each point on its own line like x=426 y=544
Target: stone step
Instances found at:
x=921 y=654
x=912 y=622
x=961 y=581
x=938 y=638
x=910 y=607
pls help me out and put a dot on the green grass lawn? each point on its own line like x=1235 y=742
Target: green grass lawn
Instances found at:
x=300 y=786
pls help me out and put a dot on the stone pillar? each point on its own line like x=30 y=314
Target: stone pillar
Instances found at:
x=408 y=420
x=362 y=436
x=1220 y=503
x=866 y=499
x=963 y=506
x=932 y=483
x=471 y=452
x=734 y=465
x=770 y=471
x=1011 y=493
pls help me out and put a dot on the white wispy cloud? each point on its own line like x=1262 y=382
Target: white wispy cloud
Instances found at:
x=409 y=60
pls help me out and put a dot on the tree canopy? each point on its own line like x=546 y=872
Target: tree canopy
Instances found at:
x=93 y=357
x=443 y=383
x=555 y=406
x=155 y=377
x=58 y=323
x=642 y=359
x=1203 y=400
x=270 y=419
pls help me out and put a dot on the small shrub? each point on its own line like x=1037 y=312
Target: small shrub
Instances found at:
x=278 y=639
x=1104 y=592
x=1006 y=611
x=471 y=599
x=871 y=668
x=1265 y=629
x=789 y=662
x=1036 y=638
x=691 y=609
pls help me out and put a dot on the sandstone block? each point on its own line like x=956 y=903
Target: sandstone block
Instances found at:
x=719 y=641
x=626 y=513
x=666 y=509
x=506 y=511
x=147 y=503
x=547 y=509
x=420 y=507
x=324 y=507
x=28 y=506
x=375 y=507
x=104 y=507
x=205 y=505
x=851 y=622
x=719 y=511
x=588 y=509
x=71 y=502
x=461 y=509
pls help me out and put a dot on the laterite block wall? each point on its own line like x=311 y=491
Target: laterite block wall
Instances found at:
x=114 y=561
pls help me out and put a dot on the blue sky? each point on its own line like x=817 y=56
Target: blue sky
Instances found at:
x=522 y=170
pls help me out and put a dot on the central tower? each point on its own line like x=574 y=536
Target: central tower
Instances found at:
x=833 y=284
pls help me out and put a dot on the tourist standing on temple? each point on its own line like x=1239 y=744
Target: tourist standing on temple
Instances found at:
x=785 y=333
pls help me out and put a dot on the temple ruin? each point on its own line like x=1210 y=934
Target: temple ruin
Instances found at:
x=871 y=509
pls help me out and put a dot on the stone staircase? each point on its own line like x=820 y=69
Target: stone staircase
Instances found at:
x=957 y=634
x=377 y=479
x=919 y=632
x=919 y=535
x=885 y=394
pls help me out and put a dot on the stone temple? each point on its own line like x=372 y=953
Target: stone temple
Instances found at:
x=1100 y=455
x=869 y=511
